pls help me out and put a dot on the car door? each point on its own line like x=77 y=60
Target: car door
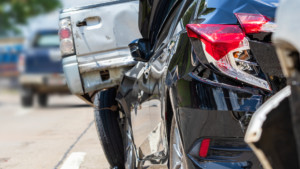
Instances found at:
x=148 y=112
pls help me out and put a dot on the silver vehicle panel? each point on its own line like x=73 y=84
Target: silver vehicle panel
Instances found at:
x=286 y=38
x=101 y=35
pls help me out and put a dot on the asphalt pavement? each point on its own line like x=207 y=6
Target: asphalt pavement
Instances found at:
x=60 y=136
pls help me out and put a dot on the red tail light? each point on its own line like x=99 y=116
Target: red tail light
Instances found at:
x=252 y=23
x=218 y=39
x=228 y=49
x=66 y=38
x=64 y=33
x=204 y=148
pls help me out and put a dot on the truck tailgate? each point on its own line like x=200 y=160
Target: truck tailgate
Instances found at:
x=100 y=28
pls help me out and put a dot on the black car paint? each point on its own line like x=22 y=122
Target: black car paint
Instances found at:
x=203 y=100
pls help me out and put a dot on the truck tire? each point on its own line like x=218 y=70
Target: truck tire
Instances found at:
x=42 y=99
x=107 y=125
x=26 y=97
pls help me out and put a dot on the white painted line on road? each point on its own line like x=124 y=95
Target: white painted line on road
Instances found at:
x=74 y=161
x=23 y=111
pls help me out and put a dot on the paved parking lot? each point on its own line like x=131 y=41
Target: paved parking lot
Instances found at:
x=58 y=136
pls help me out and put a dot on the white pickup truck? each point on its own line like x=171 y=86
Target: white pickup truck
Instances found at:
x=94 y=44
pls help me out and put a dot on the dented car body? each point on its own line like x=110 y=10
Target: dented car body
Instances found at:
x=209 y=81
x=94 y=44
x=195 y=78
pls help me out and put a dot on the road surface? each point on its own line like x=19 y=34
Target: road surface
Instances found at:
x=60 y=136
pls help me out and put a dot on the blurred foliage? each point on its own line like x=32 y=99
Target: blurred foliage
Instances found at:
x=17 y=12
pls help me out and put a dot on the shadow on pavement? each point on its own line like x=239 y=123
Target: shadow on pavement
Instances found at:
x=66 y=106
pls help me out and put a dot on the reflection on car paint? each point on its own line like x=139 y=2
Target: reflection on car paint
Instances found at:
x=205 y=103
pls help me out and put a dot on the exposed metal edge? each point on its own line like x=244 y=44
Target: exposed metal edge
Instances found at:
x=254 y=130
x=107 y=64
x=112 y=66
x=95 y=6
x=223 y=85
x=261 y=156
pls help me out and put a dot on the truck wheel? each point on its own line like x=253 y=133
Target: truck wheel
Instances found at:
x=42 y=99
x=107 y=125
x=27 y=97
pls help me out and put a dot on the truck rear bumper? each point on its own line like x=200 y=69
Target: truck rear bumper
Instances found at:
x=86 y=74
x=105 y=60
x=45 y=83
x=70 y=67
x=42 y=79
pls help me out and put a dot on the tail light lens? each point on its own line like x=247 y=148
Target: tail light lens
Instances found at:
x=64 y=33
x=218 y=39
x=227 y=48
x=66 y=38
x=255 y=23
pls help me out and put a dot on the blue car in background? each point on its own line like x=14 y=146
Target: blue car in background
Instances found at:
x=9 y=53
x=41 y=68
x=8 y=60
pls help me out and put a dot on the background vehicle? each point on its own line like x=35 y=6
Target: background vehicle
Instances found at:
x=41 y=68
x=276 y=122
x=8 y=62
x=8 y=59
x=94 y=45
x=204 y=69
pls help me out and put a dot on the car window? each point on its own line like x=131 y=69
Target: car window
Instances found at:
x=47 y=40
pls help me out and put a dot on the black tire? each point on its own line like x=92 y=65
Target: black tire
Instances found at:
x=108 y=128
x=42 y=99
x=27 y=97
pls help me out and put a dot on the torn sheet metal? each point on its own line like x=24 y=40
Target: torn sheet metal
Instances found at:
x=270 y=128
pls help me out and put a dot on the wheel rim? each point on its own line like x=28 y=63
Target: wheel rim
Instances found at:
x=177 y=161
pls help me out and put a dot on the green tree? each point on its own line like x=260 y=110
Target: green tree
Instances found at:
x=17 y=12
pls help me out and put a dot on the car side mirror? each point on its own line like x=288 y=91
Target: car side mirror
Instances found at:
x=140 y=49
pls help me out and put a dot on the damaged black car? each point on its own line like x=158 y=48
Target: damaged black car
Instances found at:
x=203 y=68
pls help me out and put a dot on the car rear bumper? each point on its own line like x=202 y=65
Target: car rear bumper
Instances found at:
x=219 y=112
x=227 y=147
